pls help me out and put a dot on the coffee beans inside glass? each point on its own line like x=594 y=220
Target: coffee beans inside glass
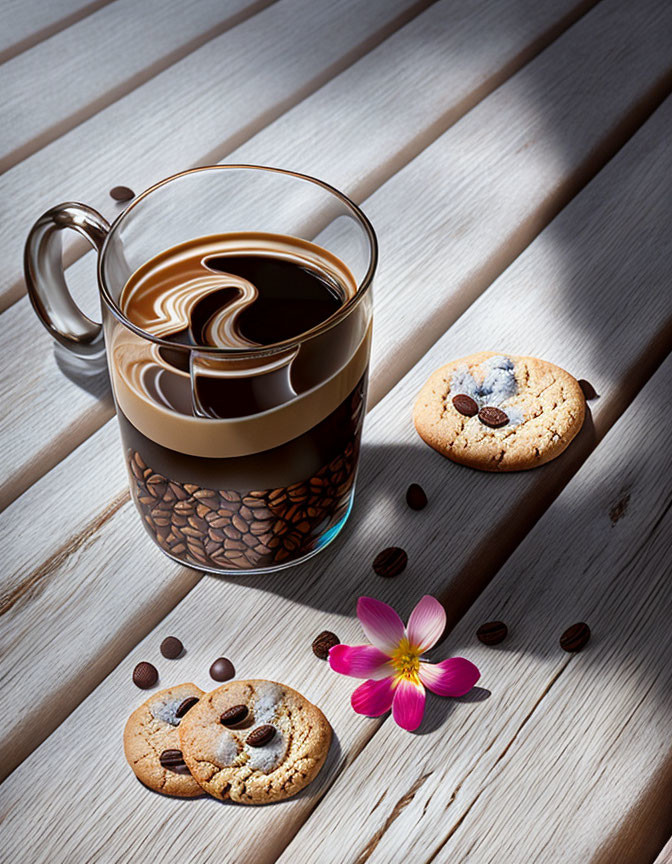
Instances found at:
x=236 y=305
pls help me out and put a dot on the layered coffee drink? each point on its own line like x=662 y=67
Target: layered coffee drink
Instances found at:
x=241 y=397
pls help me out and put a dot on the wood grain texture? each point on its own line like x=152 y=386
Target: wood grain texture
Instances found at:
x=507 y=164
x=568 y=757
x=24 y=23
x=208 y=102
x=101 y=58
x=455 y=546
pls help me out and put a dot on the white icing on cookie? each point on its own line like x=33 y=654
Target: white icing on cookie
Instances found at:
x=266 y=699
x=165 y=708
x=499 y=384
x=226 y=749
x=268 y=757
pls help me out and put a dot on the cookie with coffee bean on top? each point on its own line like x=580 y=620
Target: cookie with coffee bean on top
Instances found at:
x=152 y=744
x=499 y=412
x=254 y=741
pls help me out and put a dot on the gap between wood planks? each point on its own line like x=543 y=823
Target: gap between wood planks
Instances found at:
x=665 y=856
x=33 y=39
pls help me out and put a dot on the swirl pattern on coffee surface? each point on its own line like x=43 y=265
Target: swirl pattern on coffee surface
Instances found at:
x=236 y=291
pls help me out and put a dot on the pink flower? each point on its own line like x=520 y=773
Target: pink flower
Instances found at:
x=397 y=675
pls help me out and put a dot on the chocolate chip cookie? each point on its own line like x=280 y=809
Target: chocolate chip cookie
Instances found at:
x=152 y=744
x=254 y=741
x=499 y=412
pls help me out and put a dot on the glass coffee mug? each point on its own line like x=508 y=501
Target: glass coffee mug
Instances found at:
x=241 y=457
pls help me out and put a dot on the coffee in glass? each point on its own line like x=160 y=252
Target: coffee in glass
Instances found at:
x=238 y=359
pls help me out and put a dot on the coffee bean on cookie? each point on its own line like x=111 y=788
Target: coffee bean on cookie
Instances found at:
x=233 y=716
x=170 y=758
x=222 y=669
x=390 y=562
x=121 y=193
x=260 y=736
x=145 y=675
x=575 y=638
x=323 y=643
x=185 y=706
x=493 y=417
x=151 y=731
x=415 y=497
x=171 y=647
x=492 y=633
x=465 y=405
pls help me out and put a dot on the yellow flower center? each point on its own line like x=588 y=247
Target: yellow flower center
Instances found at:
x=406 y=661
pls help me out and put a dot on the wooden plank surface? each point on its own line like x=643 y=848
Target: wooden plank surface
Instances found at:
x=399 y=274
x=220 y=94
x=101 y=58
x=24 y=23
x=509 y=143
x=266 y=626
x=568 y=757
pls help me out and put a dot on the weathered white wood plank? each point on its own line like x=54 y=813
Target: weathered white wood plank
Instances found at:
x=478 y=166
x=209 y=102
x=98 y=60
x=569 y=759
x=474 y=520
x=24 y=23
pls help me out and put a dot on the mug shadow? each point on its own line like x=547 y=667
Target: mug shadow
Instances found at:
x=90 y=374
x=381 y=517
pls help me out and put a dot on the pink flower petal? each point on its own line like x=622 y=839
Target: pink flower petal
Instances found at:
x=380 y=622
x=373 y=698
x=360 y=661
x=426 y=624
x=408 y=704
x=453 y=677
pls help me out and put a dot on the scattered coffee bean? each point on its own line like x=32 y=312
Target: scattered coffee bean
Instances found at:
x=260 y=736
x=121 y=193
x=493 y=417
x=575 y=638
x=323 y=642
x=492 y=633
x=184 y=706
x=588 y=390
x=233 y=716
x=415 y=497
x=390 y=562
x=145 y=675
x=222 y=669
x=171 y=647
x=465 y=405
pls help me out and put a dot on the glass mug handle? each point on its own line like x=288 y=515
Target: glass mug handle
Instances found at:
x=45 y=279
